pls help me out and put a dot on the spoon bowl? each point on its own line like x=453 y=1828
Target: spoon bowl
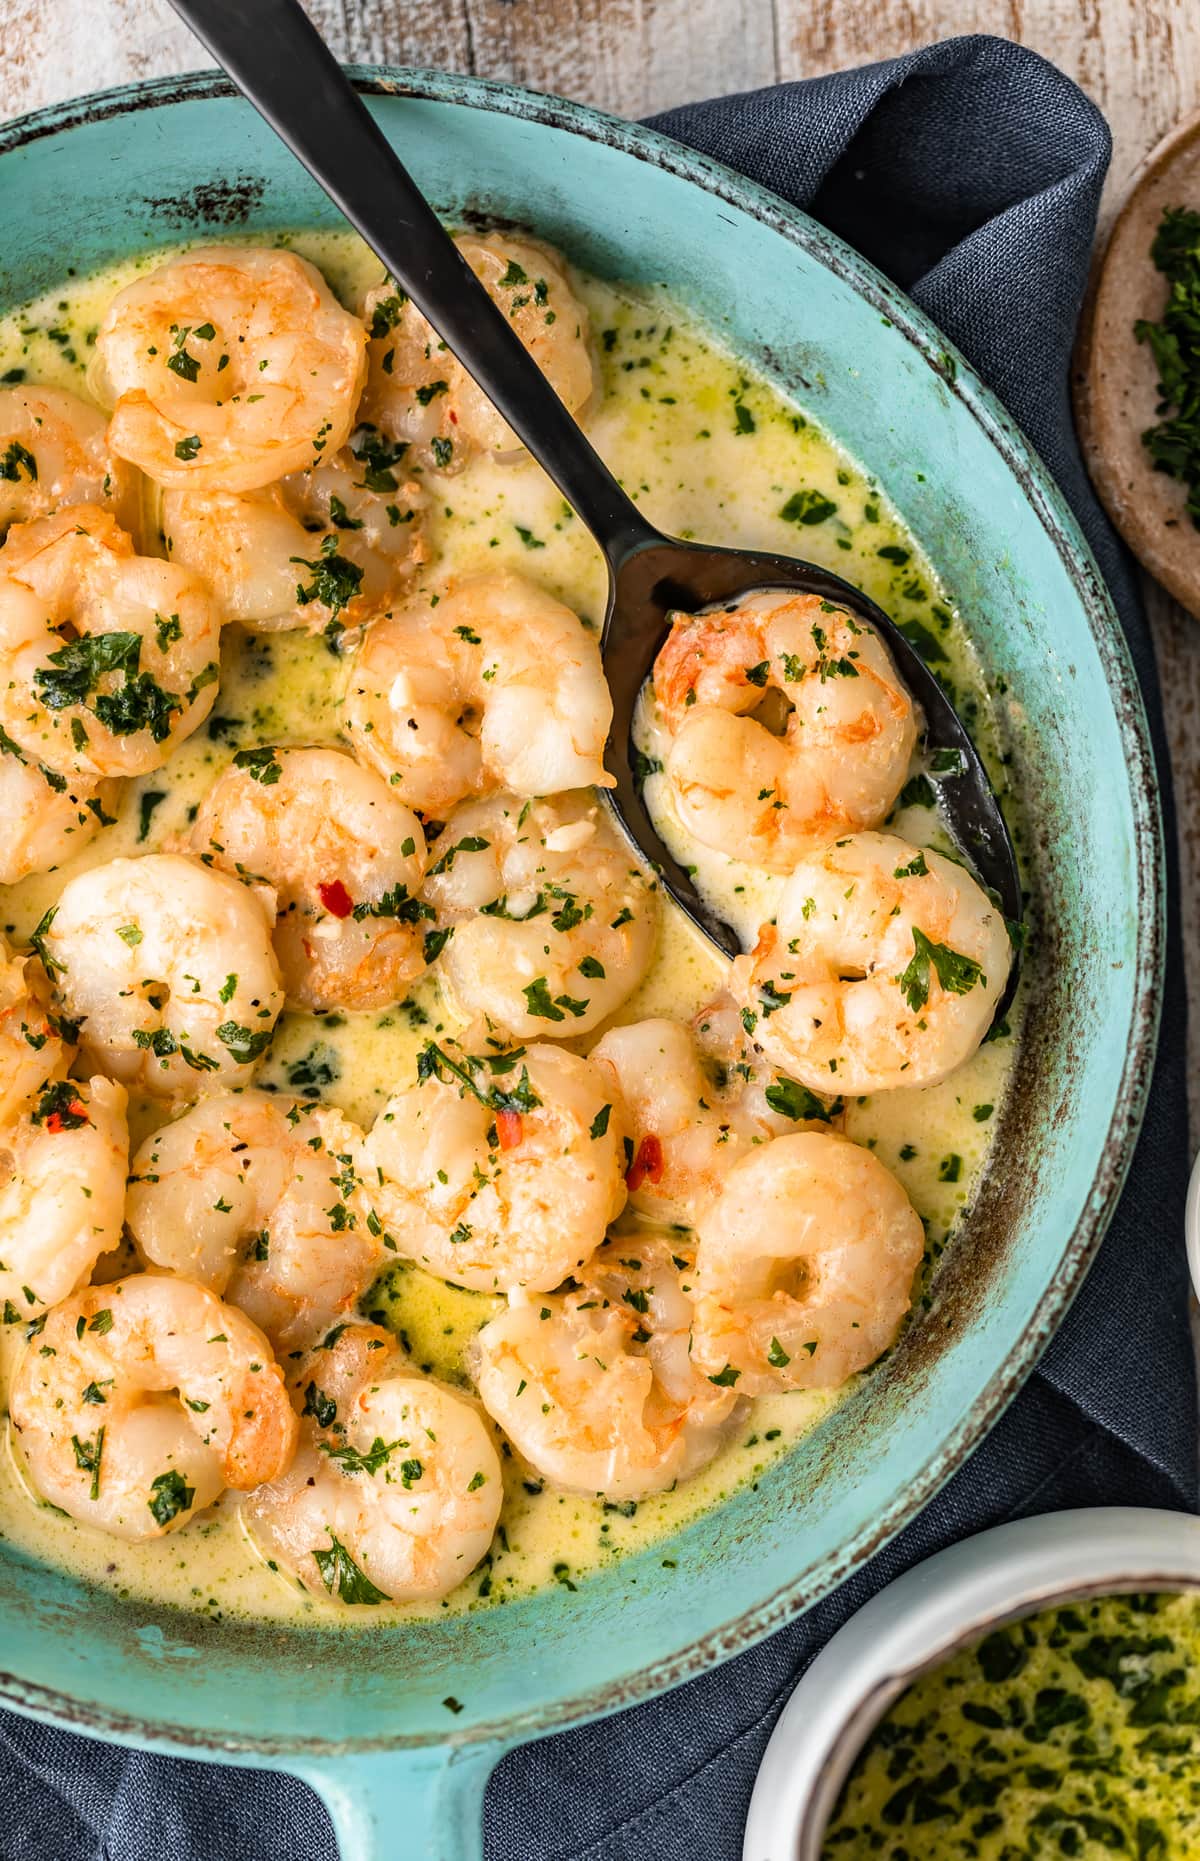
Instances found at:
x=281 y=65
x=660 y=575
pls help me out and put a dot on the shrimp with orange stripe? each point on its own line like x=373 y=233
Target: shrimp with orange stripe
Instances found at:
x=788 y=726
x=345 y=858
x=694 y=1100
x=499 y=1166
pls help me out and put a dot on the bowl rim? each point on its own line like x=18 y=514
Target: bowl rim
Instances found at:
x=927 y=1615
x=1050 y=507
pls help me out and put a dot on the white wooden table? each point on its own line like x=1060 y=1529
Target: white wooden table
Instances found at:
x=1140 y=60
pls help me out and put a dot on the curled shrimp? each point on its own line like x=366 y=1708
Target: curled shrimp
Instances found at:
x=805 y=1266
x=551 y=922
x=418 y=392
x=169 y=970
x=63 y=1163
x=396 y=1490
x=47 y=817
x=107 y=659
x=847 y=726
x=883 y=968
x=345 y=858
x=260 y=1199
x=499 y=1168
x=54 y=450
x=498 y=686
x=36 y=1044
x=694 y=1101
x=323 y=549
x=142 y=1400
x=227 y=368
x=595 y=1388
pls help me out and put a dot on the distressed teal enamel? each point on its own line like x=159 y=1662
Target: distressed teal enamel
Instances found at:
x=363 y=1713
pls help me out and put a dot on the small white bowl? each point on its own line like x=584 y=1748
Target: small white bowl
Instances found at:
x=929 y=1613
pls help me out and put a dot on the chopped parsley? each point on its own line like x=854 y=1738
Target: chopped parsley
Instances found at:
x=171 y=1495
x=477 y=1075
x=539 y=1002
x=351 y=1460
x=88 y=1456
x=808 y=507
x=322 y=1407
x=75 y=671
x=342 y=1576
x=335 y=579
x=15 y=460
x=37 y=943
x=1173 y=442
x=244 y=1045
x=386 y=314
x=262 y=764
x=957 y=974
x=792 y=1100
x=60 y=1106
x=378 y=458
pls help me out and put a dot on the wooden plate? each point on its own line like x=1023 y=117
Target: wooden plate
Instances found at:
x=1115 y=378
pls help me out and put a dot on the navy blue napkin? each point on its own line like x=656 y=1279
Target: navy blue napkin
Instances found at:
x=971 y=173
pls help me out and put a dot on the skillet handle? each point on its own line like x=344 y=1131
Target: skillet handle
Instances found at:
x=422 y=1805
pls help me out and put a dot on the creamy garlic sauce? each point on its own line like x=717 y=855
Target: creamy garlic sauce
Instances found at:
x=713 y=452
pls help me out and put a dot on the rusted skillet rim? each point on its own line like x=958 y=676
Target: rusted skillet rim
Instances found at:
x=1053 y=512
x=928 y=1615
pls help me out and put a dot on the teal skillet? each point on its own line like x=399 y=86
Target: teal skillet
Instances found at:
x=363 y=1714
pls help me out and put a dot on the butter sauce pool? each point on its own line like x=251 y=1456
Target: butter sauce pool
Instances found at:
x=711 y=451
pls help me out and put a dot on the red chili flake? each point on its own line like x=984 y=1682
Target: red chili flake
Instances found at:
x=453 y=417
x=510 y=1129
x=336 y=899
x=69 y=1120
x=648 y=1164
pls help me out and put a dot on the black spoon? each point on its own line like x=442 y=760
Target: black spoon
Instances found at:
x=281 y=65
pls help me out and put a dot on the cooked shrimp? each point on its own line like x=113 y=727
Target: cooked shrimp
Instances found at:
x=552 y=923
x=847 y=726
x=498 y=686
x=883 y=968
x=142 y=1400
x=805 y=1266
x=595 y=1387
x=693 y=1104
x=417 y=391
x=35 y=1043
x=261 y=1200
x=345 y=858
x=47 y=817
x=169 y=968
x=107 y=659
x=63 y=1163
x=54 y=450
x=396 y=1490
x=322 y=549
x=499 y=1168
x=227 y=368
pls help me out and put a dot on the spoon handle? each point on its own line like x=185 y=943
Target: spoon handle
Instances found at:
x=279 y=62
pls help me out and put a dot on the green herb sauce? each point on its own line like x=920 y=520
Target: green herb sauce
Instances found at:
x=1075 y=1732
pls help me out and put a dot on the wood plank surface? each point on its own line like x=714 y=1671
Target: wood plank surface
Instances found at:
x=1140 y=60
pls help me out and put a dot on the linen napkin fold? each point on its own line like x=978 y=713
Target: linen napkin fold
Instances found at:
x=970 y=172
